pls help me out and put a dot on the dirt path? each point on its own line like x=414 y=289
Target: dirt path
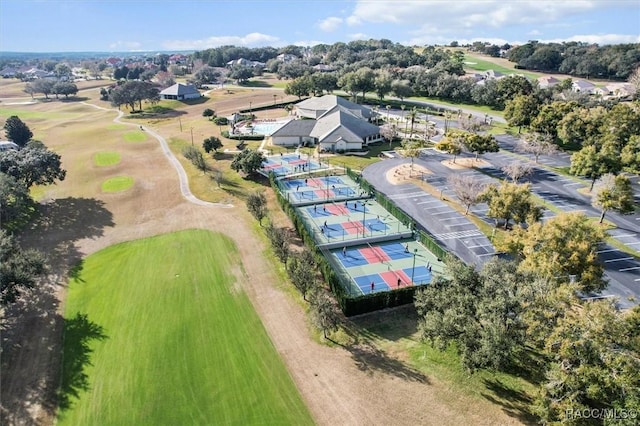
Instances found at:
x=357 y=385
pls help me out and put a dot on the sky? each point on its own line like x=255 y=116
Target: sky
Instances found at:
x=187 y=25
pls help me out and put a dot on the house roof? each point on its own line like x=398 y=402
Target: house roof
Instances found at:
x=583 y=84
x=180 y=89
x=332 y=126
x=329 y=102
x=547 y=80
x=295 y=128
x=341 y=119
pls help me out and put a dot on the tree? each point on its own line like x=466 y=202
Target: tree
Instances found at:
x=517 y=170
x=389 y=132
x=630 y=155
x=593 y=163
x=521 y=110
x=467 y=188
x=382 y=84
x=132 y=93
x=62 y=71
x=248 y=161
x=280 y=241
x=479 y=144
x=613 y=192
x=197 y=159
x=208 y=112
x=549 y=116
x=562 y=247
x=17 y=131
x=19 y=269
x=257 y=205
x=324 y=313
x=32 y=165
x=212 y=143
x=512 y=201
x=44 y=86
x=401 y=89
x=451 y=144
x=595 y=359
x=15 y=201
x=205 y=74
x=240 y=73
x=537 y=144
x=301 y=268
x=65 y=88
x=480 y=313
x=299 y=87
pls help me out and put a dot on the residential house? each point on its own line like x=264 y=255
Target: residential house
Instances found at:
x=620 y=90
x=246 y=63
x=286 y=57
x=582 y=86
x=180 y=92
x=547 y=81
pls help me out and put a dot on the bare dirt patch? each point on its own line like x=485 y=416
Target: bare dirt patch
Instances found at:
x=404 y=172
x=465 y=163
x=350 y=385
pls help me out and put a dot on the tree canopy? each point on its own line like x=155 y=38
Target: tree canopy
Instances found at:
x=562 y=248
x=248 y=161
x=32 y=165
x=17 y=131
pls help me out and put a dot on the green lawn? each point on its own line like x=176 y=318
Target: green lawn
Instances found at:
x=117 y=184
x=106 y=158
x=135 y=136
x=476 y=63
x=168 y=338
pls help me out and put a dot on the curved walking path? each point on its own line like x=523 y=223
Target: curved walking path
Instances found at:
x=182 y=175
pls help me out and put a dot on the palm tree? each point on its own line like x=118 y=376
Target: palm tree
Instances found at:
x=412 y=115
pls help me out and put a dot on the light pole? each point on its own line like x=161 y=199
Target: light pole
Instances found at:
x=250 y=114
x=364 y=218
x=192 y=136
x=413 y=269
x=388 y=108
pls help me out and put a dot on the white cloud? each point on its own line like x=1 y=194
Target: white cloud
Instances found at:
x=534 y=33
x=330 y=24
x=305 y=43
x=472 y=12
x=358 y=36
x=249 y=40
x=599 y=39
x=125 y=45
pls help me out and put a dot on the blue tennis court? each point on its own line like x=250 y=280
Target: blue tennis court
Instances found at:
x=421 y=274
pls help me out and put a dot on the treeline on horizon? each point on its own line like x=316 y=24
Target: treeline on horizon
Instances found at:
x=577 y=59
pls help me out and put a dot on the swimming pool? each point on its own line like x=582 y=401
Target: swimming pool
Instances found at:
x=263 y=127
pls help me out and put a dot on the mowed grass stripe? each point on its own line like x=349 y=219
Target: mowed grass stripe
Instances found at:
x=183 y=345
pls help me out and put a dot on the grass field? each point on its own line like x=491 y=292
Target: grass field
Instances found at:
x=157 y=332
x=106 y=158
x=135 y=136
x=117 y=184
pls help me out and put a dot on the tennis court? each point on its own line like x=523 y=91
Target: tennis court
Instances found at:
x=290 y=164
x=387 y=265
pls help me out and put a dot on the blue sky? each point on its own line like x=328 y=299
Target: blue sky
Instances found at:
x=162 y=25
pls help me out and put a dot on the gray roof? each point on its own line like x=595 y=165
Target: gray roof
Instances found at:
x=329 y=102
x=296 y=128
x=180 y=89
x=339 y=121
